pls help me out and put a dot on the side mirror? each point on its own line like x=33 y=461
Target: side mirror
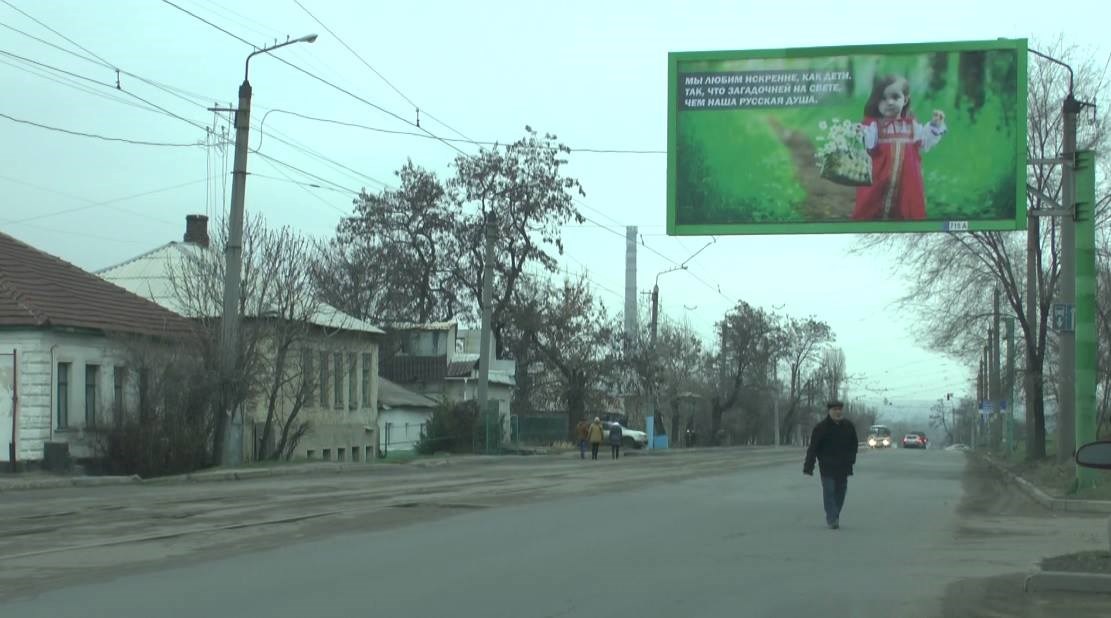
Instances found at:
x=1095 y=455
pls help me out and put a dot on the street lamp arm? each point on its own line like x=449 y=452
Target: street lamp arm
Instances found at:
x=308 y=38
x=670 y=270
x=1054 y=61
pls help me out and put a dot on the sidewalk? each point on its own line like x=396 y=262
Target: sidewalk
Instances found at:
x=1059 y=581
x=44 y=480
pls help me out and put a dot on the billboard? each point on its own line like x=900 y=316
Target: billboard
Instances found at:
x=883 y=138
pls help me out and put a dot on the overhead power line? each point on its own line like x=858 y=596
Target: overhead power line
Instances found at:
x=356 y=125
x=105 y=138
x=314 y=76
x=69 y=40
x=90 y=204
x=164 y=111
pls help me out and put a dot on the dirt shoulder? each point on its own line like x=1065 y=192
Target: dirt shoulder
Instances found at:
x=994 y=509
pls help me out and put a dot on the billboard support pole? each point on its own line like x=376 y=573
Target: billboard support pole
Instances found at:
x=1066 y=412
x=1086 y=335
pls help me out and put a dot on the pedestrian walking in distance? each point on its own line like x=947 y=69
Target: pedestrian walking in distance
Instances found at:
x=615 y=441
x=833 y=444
x=595 y=435
x=581 y=432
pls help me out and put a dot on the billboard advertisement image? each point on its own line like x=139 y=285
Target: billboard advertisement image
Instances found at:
x=888 y=138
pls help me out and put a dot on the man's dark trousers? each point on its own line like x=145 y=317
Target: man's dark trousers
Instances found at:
x=833 y=496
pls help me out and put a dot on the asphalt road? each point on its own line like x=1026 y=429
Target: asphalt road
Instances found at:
x=710 y=533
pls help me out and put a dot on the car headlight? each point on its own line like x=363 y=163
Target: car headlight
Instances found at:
x=871 y=442
x=887 y=442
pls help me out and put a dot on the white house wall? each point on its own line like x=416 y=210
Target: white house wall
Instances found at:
x=39 y=353
x=400 y=428
x=348 y=429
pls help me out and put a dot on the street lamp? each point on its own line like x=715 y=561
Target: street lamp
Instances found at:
x=233 y=255
x=308 y=38
x=652 y=355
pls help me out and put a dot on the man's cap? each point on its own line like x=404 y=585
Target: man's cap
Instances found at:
x=834 y=404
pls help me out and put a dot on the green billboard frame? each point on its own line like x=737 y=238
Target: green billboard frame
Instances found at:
x=1018 y=222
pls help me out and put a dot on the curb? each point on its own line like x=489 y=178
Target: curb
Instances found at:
x=1060 y=581
x=1064 y=505
x=218 y=475
x=249 y=474
x=79 y=481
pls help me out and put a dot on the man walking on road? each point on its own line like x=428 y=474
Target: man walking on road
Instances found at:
x=833 y=444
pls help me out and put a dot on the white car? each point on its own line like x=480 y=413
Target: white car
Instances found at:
x=630 y=438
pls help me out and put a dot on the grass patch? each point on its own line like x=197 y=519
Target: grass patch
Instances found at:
x=1055 y=479
x=1080 y=562
x=400 y=457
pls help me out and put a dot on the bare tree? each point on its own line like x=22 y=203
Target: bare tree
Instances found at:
x=680 y=359
x=952 y=275
x=523 y=189
x=940 y=418
x=1103 y=324
x=832 y=372
x=411 y=228
x=160 y=422
x=750 y=339
x=567 y=330
x=803 y=343
x=277 y=308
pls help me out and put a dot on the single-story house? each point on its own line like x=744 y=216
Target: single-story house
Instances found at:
x=402 y=415
x=63 y=336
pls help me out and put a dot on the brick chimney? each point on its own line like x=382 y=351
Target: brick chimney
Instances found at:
x=196 y=230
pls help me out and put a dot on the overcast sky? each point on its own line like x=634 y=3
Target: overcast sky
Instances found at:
x=594 y=73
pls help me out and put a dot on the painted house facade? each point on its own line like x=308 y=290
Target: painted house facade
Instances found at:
x=64 y=352
x=337 y=357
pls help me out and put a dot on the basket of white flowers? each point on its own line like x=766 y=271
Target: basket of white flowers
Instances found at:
x=841 y=157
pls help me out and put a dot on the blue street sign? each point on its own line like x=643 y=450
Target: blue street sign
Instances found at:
x=1063 y=317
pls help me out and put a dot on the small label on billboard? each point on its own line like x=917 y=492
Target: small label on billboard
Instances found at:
x=956 y=226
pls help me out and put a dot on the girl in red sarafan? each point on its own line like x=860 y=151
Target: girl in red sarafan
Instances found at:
x=895 y=141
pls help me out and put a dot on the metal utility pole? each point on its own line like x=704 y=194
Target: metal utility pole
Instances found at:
x=233 y=256
x=650 y=416
x=652 y=390
x=981 y=393
x=1010 y=388
x=1034 y=432
x=775 y=399
x=995 y=377
x=1074 y=313
x=1066 y=410
x=1087 y=346
x=487 y=319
